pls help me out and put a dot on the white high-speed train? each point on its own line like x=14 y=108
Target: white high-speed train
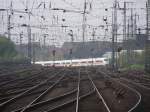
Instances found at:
x=75 y=62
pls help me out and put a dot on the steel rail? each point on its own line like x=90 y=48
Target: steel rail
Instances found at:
x=15 y=72
x=29 y=90
x=70 y=102
x=135 y=83
x=144 y=84
x=34 y=75
x=140 y=97
x=9 y=97
x=43 y=94
x=78 y=92
x=133 y=90
x=99 y=94
x=47 y=101
x=13 y=93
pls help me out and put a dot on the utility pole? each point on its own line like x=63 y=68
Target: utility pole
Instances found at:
x=29 y=43
x=9 y=27
x=124 y=32
x=131 y=38
x=132 y=24
x=92 y=49
x=84 y=22
x=116 y=32
x=21 y=41
x=114 y=36
x=135 y=25
x=54 y=52
x=9 y=13
x=124 y=23
x=29 y=39
x=146 y=54
x=113 y=43
x=127 y=43
x=33 y=47
x=127 y=31
x=71 y=49
x=147 y=42
x=134 y=36
x=44 y=41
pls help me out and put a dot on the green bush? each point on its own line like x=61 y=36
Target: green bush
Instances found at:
x=7 y=49
x=136 y=61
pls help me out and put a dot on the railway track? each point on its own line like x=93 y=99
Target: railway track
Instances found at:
x=65 y=90
x=8 y=92
x=74 y=90
x=97 y=102
x=144 y=91
x=138 y=77
x=88 y=98
x=17 y=78
x=16 y=102
x=31 y=79
x=140 y=83
x=51 y=102
x=120 y=92
x=23 y=76
x=143 y=82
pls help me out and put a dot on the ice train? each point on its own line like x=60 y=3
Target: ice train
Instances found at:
x=75 y=62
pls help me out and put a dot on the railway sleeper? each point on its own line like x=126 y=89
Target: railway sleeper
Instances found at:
x=120 y=93
x=59 y=107
x=108 y=83
x=4 y=99
x=33 y=106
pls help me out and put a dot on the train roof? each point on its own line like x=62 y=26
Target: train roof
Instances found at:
x=73 y=60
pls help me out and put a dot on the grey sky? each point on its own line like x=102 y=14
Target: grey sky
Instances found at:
x=42 y=15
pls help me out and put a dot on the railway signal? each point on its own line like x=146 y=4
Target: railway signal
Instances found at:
x=54 y=54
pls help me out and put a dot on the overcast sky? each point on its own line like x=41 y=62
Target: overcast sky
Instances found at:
x=46 y=21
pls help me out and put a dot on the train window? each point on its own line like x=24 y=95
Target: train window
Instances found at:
x=48 y=64
x=105 y=59
x=75 y=62
x=99 y=61
x=57 y=63
x=83 y=62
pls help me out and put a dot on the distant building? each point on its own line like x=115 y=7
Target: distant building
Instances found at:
x=86 y=50
x=136 y=44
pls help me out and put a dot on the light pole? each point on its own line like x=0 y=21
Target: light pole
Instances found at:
x=54 y=53
x=21 y=34
x=29 y=41
x=92 y=49
x=71 y=49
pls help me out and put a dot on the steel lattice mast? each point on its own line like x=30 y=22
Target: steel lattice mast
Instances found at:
x=147 y=42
